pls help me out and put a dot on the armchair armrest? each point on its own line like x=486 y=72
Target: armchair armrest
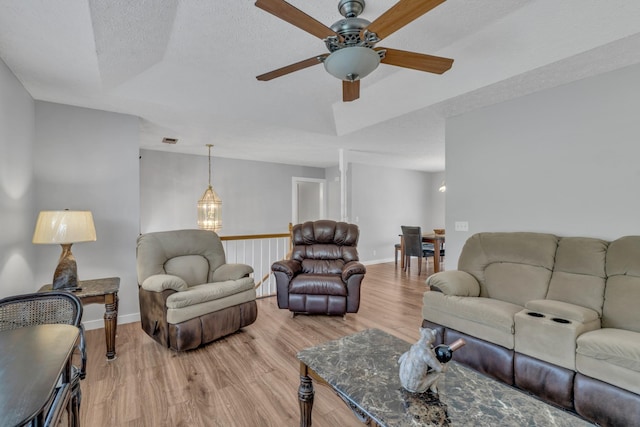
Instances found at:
x=287 y=266
x=351 y=268
x=161 y=282
x=454 y=282
x=231 y=272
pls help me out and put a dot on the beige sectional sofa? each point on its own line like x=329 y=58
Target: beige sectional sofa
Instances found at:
x=556 y=316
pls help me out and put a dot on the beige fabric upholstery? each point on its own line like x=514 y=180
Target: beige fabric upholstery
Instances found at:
x=622 y=291
x=454 y=282
x=563 y=310
x=579 y=272
x=208 y=292
x=193 y=269
x=552 y=336
x=611 y=355
x=512 y=267
x=490 y=319
x=179 y=315
x=161 y=282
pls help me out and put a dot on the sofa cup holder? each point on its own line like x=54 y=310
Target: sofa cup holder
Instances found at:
x=534 y=314
x=559 y=320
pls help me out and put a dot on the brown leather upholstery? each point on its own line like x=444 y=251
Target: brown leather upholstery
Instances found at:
x=550 y=382
x=324 y=274
x=605 y=404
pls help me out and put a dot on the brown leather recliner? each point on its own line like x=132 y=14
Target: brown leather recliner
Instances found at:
x=324 y=274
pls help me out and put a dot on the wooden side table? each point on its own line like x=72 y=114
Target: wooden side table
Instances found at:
x=101 y=291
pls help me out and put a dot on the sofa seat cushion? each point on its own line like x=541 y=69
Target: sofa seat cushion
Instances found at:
x=610 y=355
x=182 y=314
x=489 y=319
x=208 y=292
x=318 y=284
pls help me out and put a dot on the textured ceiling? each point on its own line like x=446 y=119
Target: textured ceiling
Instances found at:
x=187 y=68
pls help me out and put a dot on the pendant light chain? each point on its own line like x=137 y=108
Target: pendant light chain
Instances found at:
x=209 y=145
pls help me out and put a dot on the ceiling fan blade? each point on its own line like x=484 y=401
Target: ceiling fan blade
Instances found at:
x=291 y=68
x=416 y=61
x=399 y=15
x=350 y=90
x=294 y=16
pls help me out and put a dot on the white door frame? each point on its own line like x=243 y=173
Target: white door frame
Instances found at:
x=294 y=196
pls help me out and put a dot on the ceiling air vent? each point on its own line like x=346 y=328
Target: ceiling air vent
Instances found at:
x=169 y=140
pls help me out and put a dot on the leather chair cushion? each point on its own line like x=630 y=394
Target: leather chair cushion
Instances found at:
x=318 y=284
x=322 y=266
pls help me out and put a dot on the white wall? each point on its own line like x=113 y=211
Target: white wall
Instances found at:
x=381 y=200
x=88 y=159
x=256 y=196
x=563 y=161
x=17 y=201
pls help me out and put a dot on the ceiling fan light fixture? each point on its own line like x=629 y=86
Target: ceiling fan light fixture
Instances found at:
x=352 y=63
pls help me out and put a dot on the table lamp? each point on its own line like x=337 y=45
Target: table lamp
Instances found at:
x=65 y=228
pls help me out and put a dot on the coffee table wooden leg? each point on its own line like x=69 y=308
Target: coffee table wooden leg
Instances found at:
x=305 y=396
x=110 y=324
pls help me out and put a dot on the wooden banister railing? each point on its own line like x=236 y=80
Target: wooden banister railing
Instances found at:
x=259 y=251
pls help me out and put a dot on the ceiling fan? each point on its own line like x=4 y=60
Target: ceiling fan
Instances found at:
x=351 y=41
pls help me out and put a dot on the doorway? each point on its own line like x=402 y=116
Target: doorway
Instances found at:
x=308 y=197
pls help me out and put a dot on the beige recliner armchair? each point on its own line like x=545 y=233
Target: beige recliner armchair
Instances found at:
x=188 y=294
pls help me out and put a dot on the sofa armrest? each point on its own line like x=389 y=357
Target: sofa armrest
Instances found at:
x=288 y=266
x=351 y=268
x=231 y=272
x=162 y=282
x=454 y=282
x=563 y=310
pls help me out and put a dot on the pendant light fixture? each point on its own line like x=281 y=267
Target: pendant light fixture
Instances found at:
x=210 y=206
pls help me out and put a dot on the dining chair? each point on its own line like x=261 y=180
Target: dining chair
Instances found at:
x=414 y=247
x=56 y=307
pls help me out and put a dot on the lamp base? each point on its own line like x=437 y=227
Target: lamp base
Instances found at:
x=66 y=274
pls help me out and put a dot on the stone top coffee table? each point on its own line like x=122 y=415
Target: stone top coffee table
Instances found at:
x=363 y=369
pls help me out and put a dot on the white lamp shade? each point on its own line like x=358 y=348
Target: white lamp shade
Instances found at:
x=64 y=227
x=352 y=63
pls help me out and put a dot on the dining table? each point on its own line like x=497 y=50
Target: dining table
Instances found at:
x=35 y=373
x=438 y=245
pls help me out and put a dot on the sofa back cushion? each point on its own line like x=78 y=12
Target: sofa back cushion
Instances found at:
x=325 y=246
x=512 y=267
x=622 y=290
x=579 y=272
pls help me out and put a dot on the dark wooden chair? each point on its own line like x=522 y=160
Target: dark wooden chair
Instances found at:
x=414 y=247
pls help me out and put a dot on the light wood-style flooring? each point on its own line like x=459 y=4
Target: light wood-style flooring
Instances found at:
x=247 y=379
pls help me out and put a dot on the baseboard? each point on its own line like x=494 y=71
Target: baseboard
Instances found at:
x=377 y=261
x=97 y=324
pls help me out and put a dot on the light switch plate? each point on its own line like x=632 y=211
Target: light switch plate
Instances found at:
x=462 y=226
